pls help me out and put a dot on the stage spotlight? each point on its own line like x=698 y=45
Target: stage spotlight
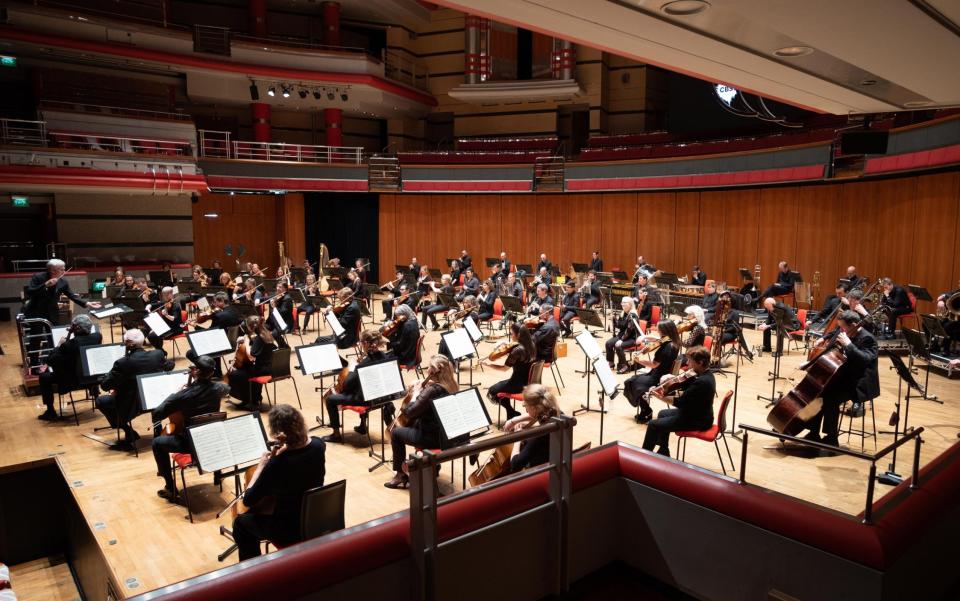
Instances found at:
x=286 y=91
x=317 y=95
x=272 y=91
x=254 y=92
x=343 y=96
x=330 y=95
x=303 y=93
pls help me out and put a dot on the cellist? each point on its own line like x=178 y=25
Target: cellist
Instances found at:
x=540 y=405
x=200 y=395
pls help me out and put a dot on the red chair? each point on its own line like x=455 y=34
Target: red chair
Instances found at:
x=912 y=313
x=711 y=434
x=279 y=370
x=800 y=334
x=533 y=377
x=654 y=315
x=183 y=318
x=783 y=298
x=497 y=316
x=707 y=341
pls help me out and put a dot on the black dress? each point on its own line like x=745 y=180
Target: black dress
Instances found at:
x=240 y=386
x=635 y=387
x=518 y=360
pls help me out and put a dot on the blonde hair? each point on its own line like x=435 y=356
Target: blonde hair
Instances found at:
x=542 y=400
x=441 y=370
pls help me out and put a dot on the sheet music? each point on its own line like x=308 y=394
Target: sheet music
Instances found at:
x=59 y=332
x=246 y=438
x=278 y=319
x=176 y=290
x=318 y=358
x=459 y=343
x=100 y=359
x=472 y=329
x=209 y=342
x=588 y=345
x=203 y=305
x=211 y=447
x=334 y=324
x=380 y=380
x=108 y=312
x=606 y=377
x=461 y=413
x=156 y=323
x=103 y=293
x=155 y=388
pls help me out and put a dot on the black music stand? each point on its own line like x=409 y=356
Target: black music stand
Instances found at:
x=589 y=317
x=891 y=477
x=919 y=350
x=920 y=293
x=511 y=305
x=778 y=318
x=588 y=360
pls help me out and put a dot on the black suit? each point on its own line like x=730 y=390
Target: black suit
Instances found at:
x=898 y=303
x=594 y=296
x=569 y=304
x=227 y=317
x=63 y=362
x=692 y=410
x=699 y=280
x=465 y=261
x=545 y=339
x=790 y=324
x=627 y=333
x=857 y=380
x=202 y=396
x=596 y=265
x=285 y=309
x=486 y=303
x=173 y=317
x=123 y=405
x=829 y=306
x=471 y=286
x=350 y=320
x=547 y=264
x=710 y=305
x=783 y=285
x=403 y=342
x=504 y=269
x=42 y=301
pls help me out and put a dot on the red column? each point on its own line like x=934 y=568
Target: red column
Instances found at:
x=260 y=116
x=331 y=23
x=257 y=10
x=333 y=121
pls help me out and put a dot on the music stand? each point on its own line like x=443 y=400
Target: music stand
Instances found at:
x=609 y=387
x=511 y=304
x=524 y=268
x=778 y=318
x=591 y=352
x=581 y=267
x=919 y=349
x=381 y=383
x=434 y=273
x=920 y=293
x=460 y=345
x=589 y=317
x=891 y=477
x=796 y=277
x=462 y=416
x=96 y=361
x=491 y=261
x=319 y=361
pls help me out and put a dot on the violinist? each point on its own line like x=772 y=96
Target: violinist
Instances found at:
x=661 y=365
x=147 y=295
x=540 y=405
x=519 y=359
x=226 y=281
x=128 y=284
x=545 y=337
x=569 y=305
x=626 y=334
x=456 y=317
x=542 y=298
x=201 y=395
x=596 y=263
x=422 y=428
x=255 y=271
x=857 y=380
x=430 y=311
x=61 y=363
x=897 y=302
x=592 y=293
x=486 y=300
x=692 y=410
x=392 y=288
x=360 y=270
x=471 y=285
x=285 y=472
x=371 y=344
x=253 y=358
x=644 y=308
x=121 y=406
x=405 y=338
x=355 y=284
x=424 y=281
x=698 y=332
x=649 y=292
x=221 y=317
x=171 y=311
x=784 y=283
x=347 y=312
x=248 y=293
x=118 y=277
x=283 y=303
x=307 y=308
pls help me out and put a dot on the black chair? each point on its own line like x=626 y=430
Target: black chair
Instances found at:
x=321 y=511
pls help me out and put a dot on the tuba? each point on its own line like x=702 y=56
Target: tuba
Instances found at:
x=951 y=308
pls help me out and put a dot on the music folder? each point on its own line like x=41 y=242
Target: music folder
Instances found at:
x=461 y=415
x=110 y=310
x=607 y=380
x=158 y=325
x=588 y=345
x=381 y=382
x=58 y=332
x=318 y=358
x=334 y=324
x=155 y=388
x=98 y=359
x=213 y=342
x=233 y=441
x=459 y=343
x=471 y=327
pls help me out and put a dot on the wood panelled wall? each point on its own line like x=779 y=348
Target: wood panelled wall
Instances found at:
x=256 y=221
x=905 y=228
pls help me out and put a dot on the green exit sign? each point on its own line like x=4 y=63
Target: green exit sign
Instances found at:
x=8 y=61
x=20 y=201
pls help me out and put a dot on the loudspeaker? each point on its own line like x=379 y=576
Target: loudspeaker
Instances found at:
x=254 y=92
x=864 y=142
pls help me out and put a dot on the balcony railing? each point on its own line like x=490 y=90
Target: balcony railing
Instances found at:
x=217 y=144
x=115 y=111
x=23 y=133
x=19 y=132
x=405 y=69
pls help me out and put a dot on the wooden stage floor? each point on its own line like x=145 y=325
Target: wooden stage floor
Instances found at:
x=150 y=543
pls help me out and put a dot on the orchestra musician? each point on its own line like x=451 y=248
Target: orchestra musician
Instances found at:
x=226 y=281
x=661 y=365
x=698 y=277
x=351 y=393
x=355 y=284
x=593 y=295
x=897 y=302
x=118 y=277
x=544 y=263
x=147 y=295
x=392 y=288
x=596 y=263
x=568 y=307
x=698 y=333
x=545 y=336
x=486 y=300
x=121 y=405
x=128 y=284
x=511 y=287
x=471 y=285
x=222 y=316
x=542 y=298
x=404 y=340
x=456 y=270
x=626 y=333
x=692 y=410
x=732 y=329
x=424 y=282
x=349 y=317
x=249 y=293
x=784 y=283
x=430 y=311
x=61 y=364
x=950 y=326
x=414 y=266
x=469 y=310
x=855 y=281
x=422 y=429
x=503 y=267
x=360 y=270
x=519 y=360
x=258 y=346
x=643 y=268
x=285 y=472
x=542 y=277
x=307 y=308
x=857 y=380
x=201 y=395
x=255 y=271
x=651 y=294
x=465 y=260
x=283 y=303
x=171 y=311
x=790 y=322
x=644 y=308
x=540 y=405
x=830 y=305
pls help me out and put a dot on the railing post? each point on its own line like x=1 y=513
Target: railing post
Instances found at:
x=561 y=461
x=868 y=510
x=915 y=479
x=423 y=523
x=228 y=147
x=743 y=459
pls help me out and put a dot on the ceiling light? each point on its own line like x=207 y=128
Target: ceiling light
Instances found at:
x=271 y=91
x=343 y=96
x=317 y=95
x=286 y=91
x=211 y=215
x=330 y=95
x=868 y=82
x=794 y=51
x=684 y=8
x=913 y=104
x=302 y=93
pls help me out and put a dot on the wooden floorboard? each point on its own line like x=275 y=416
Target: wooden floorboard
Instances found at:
x=46 y=579
x=147 y=539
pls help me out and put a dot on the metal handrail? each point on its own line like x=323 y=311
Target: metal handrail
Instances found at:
x=119 y=110
x=868 y=509
x=23 y=132
x=114 y=143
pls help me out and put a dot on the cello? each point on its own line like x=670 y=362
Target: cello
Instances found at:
x=793 y=410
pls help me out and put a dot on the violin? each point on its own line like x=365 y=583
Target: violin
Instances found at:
x=402 y=420
x=391 y=327
x=242 y=356
x=501 y=350
x=670 y=386
x=338 y=385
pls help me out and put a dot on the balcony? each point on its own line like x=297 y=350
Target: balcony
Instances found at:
x=218 y=145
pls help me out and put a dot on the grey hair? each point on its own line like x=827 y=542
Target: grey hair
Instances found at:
x=133 y=337
x=167 y=289
x=82 y=324
x=406 y=311
x=543 y=287
x=696 y=311
x=56 y=264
